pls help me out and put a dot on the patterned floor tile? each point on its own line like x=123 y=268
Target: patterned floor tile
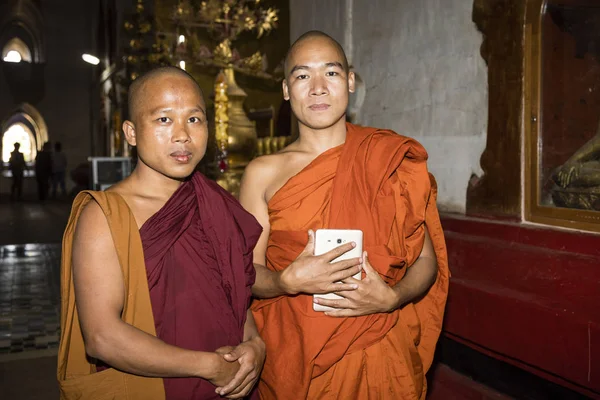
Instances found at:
x=29 y=289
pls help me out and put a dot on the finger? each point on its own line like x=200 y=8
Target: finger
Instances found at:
x=346 y=273
x=224 y=350
x=243 y=393
x=310 y=245
x=352 y=281
x=341 y=287
x=333 y=303
x=245 y=387
x=239 y=377
x=346 y=264
x=343 y=313
x=233 y=355
x=369 y=270
x=351 y=295
x=338 y=251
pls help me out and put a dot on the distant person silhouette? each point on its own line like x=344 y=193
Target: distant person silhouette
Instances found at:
x=43 y=171
x=17 y=168
x=59 y=169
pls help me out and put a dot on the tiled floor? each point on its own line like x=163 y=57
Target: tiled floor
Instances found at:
x=29 y=297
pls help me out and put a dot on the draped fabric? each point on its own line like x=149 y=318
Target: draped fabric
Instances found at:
x=188 y=275
x=198 y=254
x=377 y=181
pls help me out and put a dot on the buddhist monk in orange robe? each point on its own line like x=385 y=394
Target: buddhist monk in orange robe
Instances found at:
x=378 y=341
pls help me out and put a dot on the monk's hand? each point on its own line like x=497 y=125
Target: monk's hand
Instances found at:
x=223 y=371
x=372 y=296
x=316 y=274
x=250 y=355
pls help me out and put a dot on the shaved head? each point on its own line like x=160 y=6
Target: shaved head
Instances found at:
x=136 y=92
x=313 y=35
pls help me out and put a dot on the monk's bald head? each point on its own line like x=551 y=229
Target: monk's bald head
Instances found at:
x=137 y=93
x=318 y=38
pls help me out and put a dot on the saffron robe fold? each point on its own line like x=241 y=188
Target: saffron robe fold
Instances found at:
x=194 y=272
x=76 y=373
x=377 y=181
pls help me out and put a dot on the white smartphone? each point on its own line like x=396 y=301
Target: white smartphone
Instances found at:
x=329 y=239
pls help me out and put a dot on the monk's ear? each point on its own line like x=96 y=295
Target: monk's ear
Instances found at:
x=286 y=91
x=351 y=81
x=129 y=131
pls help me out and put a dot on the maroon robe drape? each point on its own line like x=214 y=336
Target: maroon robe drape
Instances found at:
x=198 y=253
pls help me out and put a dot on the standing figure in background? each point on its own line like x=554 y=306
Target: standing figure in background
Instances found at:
x=59 y=169
x=17 y=167
x=43 y=171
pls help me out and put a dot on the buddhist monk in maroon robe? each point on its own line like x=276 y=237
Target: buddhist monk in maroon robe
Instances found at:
x=196 y=243
x=378 y=341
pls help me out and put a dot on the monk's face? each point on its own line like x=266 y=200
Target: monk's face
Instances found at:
x=169 y=127
x=317 y=84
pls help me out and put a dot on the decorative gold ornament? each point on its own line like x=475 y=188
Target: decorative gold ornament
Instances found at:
x=225 y=20
x=221 y=121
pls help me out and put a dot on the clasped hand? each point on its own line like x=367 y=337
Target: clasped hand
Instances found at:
x=249 y=358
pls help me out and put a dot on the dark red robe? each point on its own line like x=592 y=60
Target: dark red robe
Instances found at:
x=198 y=253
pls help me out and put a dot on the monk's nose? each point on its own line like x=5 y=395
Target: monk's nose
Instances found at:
x=319 y=87
x=181 y=135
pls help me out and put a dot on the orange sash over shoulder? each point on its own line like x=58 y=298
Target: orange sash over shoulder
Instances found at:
x=77 y=376
x=377 y=181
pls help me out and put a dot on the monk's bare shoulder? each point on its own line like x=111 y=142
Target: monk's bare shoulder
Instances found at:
x=91 y=225
x=263 y=171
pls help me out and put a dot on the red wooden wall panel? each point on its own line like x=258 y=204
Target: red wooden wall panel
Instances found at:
x=528 y=295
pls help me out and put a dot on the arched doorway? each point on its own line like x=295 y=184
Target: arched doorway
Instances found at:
x=19 y=133
x=15 y=50
x=31 y=118
x=24 y=125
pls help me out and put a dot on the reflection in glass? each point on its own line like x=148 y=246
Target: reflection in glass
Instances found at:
x=570 y=89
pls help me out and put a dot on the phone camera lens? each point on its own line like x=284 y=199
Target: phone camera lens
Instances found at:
x=339 y=241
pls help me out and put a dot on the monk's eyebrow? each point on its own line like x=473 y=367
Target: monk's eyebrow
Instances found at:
x=334 y=64
x=298 y=67
x=159 y=110
x=198 y=108
x=327 y=65
x=167 y=109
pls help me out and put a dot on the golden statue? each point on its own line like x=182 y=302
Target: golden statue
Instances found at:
x=577 y=181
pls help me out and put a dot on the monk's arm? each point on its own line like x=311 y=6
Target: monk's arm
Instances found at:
x=100 y=294
x=252 y=197
x=250 y=329
x=419 y=277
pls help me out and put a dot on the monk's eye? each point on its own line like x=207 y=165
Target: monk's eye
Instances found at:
x=302 y=77
x=331 y=73
x=194 y=120
x=163 y=120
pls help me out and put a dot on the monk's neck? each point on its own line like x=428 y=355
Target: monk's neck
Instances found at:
x=320 y=140
x=146 y=182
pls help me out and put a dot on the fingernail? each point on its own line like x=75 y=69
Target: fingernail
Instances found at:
x=353 y=244
x=316 y=300
x=355 y=286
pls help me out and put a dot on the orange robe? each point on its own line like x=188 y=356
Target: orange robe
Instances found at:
x=377 y=181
